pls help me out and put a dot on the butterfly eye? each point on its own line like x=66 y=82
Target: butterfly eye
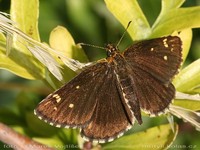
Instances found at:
x=111 y=50
x=109 y=53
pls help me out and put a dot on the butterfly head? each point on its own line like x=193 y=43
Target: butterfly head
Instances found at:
x=111 y=50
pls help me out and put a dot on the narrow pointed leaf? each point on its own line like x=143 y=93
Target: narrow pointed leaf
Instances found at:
x=168 y=22
x=189 y=78
x=130 y=10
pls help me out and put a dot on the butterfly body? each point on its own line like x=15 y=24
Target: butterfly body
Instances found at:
x=106 y=98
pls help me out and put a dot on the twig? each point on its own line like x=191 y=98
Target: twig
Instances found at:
x=17 y=141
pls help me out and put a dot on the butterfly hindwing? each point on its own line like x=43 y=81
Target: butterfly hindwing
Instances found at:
x=154 y=97
x=154 y=63
x=111 y=117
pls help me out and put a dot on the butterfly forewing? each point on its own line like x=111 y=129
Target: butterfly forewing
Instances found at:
x=74 y=103
x=90 y=101
x=160 y=57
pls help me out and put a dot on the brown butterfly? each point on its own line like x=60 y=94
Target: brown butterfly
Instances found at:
x=106 y=98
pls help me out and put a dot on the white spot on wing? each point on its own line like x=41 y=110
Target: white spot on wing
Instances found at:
x=165 y=43
x=57 y=97
x=58 y=100
x=35 y=112
x=58 y=125
x=166 y=110
x=51 y=123
x=107 y=139
x=165 y=57
x=71 y=105
x=67 y=126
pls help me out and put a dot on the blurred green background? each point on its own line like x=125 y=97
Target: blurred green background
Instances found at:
x=90 y=22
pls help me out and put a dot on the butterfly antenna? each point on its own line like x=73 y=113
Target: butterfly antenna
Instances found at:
x=95 y=46
x=123 y=33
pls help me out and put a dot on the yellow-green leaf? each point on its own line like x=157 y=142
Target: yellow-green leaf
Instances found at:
x=189 y=104
x=129 y=10
x=52 y=142
x=175 y=20
x=189 y=78
x=20 y=61
x=20 y=64
x=186 y=37
x=158 y=138
x=62 y=41
x=25 y=13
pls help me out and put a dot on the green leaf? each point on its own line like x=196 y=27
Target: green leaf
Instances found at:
x=189 y=78
x=167 y=5
x=68 y=136
x=2 y=37
x=165 y=24
x=186 y=37
x=158 y=138
x=25 y=13
x=38 y=126
x=19 y=129
x=188 y=81
x=20 y=61
x=88 y=24
x=51 y=142
x=6 y=115
x=62 y=41
x=25 y=103
x=176 y=19
x=189 y=104
x=129 y=10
